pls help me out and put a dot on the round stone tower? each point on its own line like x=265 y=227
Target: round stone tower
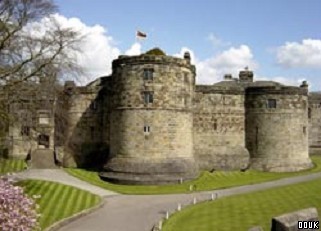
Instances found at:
x=277 y=128
x=151 y=120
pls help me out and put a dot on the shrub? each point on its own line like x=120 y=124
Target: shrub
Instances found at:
x=17 y=211
x=155 y=51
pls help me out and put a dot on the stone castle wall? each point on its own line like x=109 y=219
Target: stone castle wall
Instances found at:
x=184 y=128
x=277 y=138
x=153 y=141
x=84 y=128
x=219 y=128
x=314 y=116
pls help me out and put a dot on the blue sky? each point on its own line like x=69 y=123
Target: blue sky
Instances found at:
x=278 y=39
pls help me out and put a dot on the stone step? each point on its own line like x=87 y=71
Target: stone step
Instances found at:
x=42 y=158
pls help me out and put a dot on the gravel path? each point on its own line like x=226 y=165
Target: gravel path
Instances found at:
x=60 y=176
x=141 y=212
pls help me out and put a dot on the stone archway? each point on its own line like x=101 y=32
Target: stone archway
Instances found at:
x=43 y=141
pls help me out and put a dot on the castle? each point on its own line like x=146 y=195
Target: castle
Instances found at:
x=148 y=122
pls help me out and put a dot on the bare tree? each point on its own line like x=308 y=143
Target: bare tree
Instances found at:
x=33 y=58
x=25 y=55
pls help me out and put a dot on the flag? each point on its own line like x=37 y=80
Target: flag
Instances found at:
x=140 y=35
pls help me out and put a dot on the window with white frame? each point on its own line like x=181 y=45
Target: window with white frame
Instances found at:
x=146 y=129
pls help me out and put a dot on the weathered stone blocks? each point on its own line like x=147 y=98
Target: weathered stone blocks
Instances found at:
x=290 y=221
x=277 y=128
x=151 y=139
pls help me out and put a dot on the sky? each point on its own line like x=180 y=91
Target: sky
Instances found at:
x=279 y=40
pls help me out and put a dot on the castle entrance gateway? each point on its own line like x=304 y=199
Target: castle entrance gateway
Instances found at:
x=43 y=141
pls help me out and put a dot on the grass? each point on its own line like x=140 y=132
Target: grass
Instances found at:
x=58 y=201
x=242 y=212
x=206 y=180
x=11 y=165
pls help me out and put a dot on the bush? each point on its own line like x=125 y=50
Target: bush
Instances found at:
x=17 y=211
x=155 y=51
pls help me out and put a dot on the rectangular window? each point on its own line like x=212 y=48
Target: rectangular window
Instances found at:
x=146 y=129
x=148 y=74
x=25 y=131
x=309 y=113
x=271 y=103
x=148 y=97
x=304 y=130
x=93 y=105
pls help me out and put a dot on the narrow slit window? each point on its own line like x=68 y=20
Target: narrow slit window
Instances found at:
x=309 y=113
x=25 y=131
x=271 y=103
x=215 y=126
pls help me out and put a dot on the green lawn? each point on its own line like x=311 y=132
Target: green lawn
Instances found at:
x=58 y=201
x=242 y=212
x=206 y=181
x=11 y=165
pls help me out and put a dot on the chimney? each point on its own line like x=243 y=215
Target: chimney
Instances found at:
x=246 y=75
x=187 y=57
x=304 y=84
x=228 y=77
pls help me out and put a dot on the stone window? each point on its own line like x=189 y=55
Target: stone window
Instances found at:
x=146 y=129
x=148 y=74
x=43 y=140
x=93 y=106
x=304 y=130
x=271 y=103
x=148 y=97
x=215 y=126
x=309 y=113
x=25 y=131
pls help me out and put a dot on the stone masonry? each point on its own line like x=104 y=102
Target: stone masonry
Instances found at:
x=148 y=122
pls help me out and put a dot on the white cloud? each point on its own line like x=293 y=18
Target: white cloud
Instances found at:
x=216 y=41
x=98 y=49
x=230 y=61
x=305 y=54
x=135 y=49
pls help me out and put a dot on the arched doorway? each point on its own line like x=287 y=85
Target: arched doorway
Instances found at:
x=43 y=141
